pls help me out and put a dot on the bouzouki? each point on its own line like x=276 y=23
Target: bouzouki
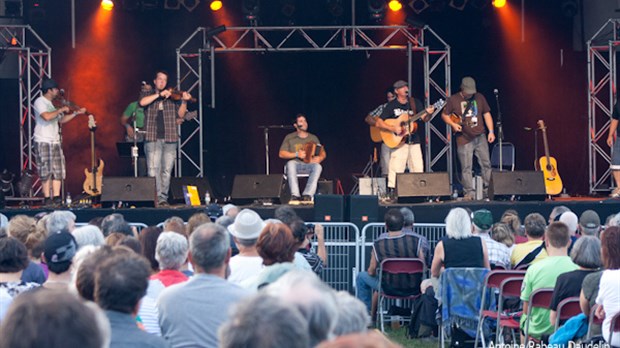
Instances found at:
x=407 y=124
x=548 y=164
x=94 y=176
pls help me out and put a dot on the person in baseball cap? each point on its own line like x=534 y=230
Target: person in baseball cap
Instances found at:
x=469 y=115
x=483 y=219
x=589 y=223
x=58 y=251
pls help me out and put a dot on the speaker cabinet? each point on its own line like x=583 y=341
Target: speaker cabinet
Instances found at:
x=248 y=188
x=363 y=209
x=139 y=191
x=176 y=188
x=417 y=186
x=329 y=208
x=523 y=185
x=325 y=187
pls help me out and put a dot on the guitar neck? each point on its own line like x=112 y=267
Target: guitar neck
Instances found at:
x=546 y=143
x=92 y=151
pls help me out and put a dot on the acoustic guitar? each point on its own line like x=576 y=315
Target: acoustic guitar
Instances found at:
x=548 y=164
x=94 y=176
x=407 y=126
x=375 y=134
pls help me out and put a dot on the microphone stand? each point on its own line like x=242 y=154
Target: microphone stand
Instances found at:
x=134 y=148
x=266 y=136
x=500 y=132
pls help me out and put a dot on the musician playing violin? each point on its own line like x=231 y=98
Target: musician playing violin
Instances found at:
x=162 y=115
x=49 y=156
x=302 y=160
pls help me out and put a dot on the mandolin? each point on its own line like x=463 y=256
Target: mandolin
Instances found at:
x=392 y=139
x=94 y=175
x=548 y=164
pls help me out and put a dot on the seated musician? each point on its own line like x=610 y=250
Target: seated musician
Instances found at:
x=134 y=112
x=304 y=158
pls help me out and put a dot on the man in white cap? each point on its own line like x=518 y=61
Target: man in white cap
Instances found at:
x=409 y=152
x=467 y=112
x=246 y=265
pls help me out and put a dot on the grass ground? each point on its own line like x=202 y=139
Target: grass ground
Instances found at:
x=400 y=336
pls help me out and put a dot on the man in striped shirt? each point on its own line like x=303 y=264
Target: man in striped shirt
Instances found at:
x=392 y=244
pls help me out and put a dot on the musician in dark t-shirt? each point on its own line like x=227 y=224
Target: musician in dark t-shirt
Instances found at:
x=613 y=143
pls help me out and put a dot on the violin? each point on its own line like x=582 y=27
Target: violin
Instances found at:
x=60 y=101
x=177 y=95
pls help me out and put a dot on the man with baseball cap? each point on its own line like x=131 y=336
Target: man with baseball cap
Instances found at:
x=409 y=152
x=59 y=249
x=499 y=254
x=48 y=149
x=467 y=112
x=589 y=223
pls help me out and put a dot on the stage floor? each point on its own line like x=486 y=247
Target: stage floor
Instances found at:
x=429 y=212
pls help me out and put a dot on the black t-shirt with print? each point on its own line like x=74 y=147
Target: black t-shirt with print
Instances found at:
x=394 y=109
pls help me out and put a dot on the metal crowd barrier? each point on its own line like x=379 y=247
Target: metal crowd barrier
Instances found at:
x=138 y=225
x=343 y=244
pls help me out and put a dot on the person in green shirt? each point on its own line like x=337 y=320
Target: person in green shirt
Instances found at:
x=135 y=111
x=543 y=274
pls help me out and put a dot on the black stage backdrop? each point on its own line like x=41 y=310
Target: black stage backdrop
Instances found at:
x=542 y=78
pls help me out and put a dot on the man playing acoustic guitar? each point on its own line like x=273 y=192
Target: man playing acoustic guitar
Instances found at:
x=409 y=152
x=302 y=160
x=467 y=112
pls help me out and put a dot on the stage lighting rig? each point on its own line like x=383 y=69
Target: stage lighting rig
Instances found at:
x=458 y=4
x=376 y=9
x=418 y=5
x=251 y=10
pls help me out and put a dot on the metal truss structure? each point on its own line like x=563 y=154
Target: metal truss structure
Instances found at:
x=35 y=64
x=602 y=84
x=202 y=46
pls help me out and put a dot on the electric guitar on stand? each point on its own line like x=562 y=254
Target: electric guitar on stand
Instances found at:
x=548 y=164
x=408 y=125
x=94 y=176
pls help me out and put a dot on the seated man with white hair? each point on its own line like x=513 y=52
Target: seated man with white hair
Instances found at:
x=88 y=235
x=459 y=248
x=60 y=220
x=571 y=221
x=171 y=254
x=245 y=266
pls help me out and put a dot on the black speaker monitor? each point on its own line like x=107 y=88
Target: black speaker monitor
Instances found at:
x=130 y=190
x=523 y=185
x=248 y=188
x=416 y=186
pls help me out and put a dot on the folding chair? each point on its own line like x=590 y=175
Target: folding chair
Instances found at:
x=493 y=281
x=401 y=271
x=567 y=308
x=540 y=298
x=593 y=320
x=508 y=157
x=614 y=327
x=460 y=293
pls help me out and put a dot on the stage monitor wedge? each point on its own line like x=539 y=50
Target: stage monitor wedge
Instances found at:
x=250 y=188
x=517 y=185
x=414 y=187
x=135 y=191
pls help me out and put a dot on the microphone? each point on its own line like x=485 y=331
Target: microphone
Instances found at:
x=143 y=83
x=61 y=91
x=496 y=91
x=527 y=128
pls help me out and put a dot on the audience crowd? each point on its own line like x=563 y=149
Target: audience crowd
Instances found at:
x=228 y=278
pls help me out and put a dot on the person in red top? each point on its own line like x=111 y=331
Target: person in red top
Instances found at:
x=171 y=253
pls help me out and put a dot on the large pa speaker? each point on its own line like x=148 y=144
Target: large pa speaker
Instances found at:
x=417 y=186
x=138 y=191
x=176 y=188
x=248 y=188
x=363 y=209
x=329 y=208
x=520 y=185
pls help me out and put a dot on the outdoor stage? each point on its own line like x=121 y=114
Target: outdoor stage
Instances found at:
x=434 y=212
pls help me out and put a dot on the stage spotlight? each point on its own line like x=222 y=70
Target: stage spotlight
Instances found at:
x=251 y=10
x=499 y=3
x=458 y=4
x=418 y=5
x=171 y=4
x=215 y=5
x=6 y=183
x=569 y=8
x=12 y=8
x=415 y=23
x=288 y=7
x=107 y=5
x=335 y=8
x=25 y=183
x=395 y=5
x=376 y=9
